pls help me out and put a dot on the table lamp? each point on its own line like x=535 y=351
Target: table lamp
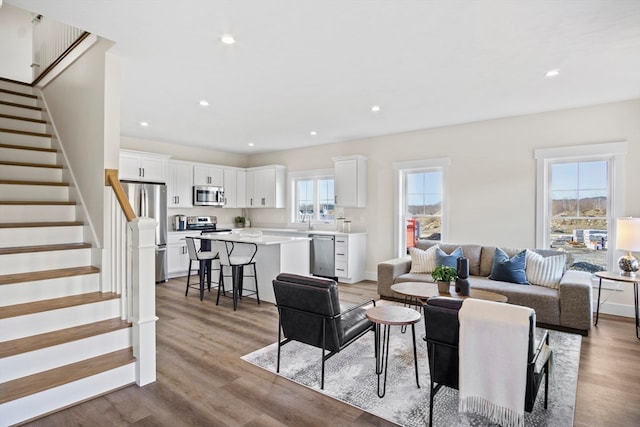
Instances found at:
x=628 y=239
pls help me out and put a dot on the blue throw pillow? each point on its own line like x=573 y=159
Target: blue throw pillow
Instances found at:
x=442 y=258
x=508 y=269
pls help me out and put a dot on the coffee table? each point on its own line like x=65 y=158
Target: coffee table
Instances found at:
x=422 y=291
x=387 y=316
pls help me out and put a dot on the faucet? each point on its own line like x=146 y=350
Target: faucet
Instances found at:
x=308 y=220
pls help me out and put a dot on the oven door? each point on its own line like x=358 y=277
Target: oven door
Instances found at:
x=208 y=196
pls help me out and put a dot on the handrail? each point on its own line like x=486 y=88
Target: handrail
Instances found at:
x=111 y=179
x=59 y=59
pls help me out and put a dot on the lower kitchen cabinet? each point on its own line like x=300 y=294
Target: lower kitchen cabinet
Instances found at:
x=350 y=257
x=178 y=255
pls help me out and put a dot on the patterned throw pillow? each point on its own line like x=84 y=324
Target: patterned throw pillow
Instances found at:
x=423 y=261
x=442 y=258
x=543 y=271
x=508 y=269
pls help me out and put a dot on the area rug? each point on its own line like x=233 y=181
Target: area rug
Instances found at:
x=350 y=377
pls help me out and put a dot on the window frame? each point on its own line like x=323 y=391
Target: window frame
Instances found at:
x=401 y=169
x=292 y=192
x=612 y=152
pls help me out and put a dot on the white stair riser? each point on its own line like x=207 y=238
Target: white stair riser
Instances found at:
x=36 y=213
x=28 y=113
x=50 y=260
x=25 y=140
x=40 y=235
x=15 y=87
x=25 y=156
x=20 y=293
x=30 y=173
x=25 y=125
x=39 y=323
x=68 y=394
x=18 y=99
x=44 y=193
x=48 y=358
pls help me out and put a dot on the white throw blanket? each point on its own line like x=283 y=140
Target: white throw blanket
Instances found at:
x=494 y=339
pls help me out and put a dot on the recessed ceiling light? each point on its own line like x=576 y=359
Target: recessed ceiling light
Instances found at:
x=313 y=133
x=204 y=103
x=144 y=124
x=227 y=39
x=552 y=73
x=375 y=108
x=251 y=144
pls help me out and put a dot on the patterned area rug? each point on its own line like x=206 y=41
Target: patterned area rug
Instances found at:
x=350 y=377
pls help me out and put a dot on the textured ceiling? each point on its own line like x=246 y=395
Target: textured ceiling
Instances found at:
x=303 y=65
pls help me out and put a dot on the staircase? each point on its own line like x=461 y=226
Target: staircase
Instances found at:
x=62 y=340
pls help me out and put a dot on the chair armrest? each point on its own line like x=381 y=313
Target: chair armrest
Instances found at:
x=576 y=302
x=362 y=304
x=388 y=271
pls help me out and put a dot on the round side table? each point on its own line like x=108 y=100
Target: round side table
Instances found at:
x=387 y=316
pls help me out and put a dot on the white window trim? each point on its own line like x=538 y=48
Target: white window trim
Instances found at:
x=615 y=151
x=291 y=188
x=399 y=170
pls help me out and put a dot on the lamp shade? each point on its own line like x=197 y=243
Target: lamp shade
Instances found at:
x=628 y=234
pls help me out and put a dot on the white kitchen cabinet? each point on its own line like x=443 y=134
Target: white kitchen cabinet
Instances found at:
x=142 y=166
x=350 y=178
x=179 y=184
x=235 y=182
x=266 y=187
x=178 y=255
x=208 y=175
x=350 y=253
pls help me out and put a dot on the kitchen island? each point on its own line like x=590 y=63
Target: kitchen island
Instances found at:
x=276 y=254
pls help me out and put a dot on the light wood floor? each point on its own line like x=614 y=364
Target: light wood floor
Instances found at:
x=202 y=381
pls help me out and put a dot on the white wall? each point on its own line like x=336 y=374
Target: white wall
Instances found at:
x=16 y=43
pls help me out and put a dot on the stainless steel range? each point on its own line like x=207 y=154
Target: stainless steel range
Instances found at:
x=205 y=224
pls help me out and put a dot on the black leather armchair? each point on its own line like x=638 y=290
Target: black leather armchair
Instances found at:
x=309 y=312
x=442 y=335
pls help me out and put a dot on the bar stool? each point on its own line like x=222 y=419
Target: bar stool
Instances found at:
x=237 y=263
x=205 y=258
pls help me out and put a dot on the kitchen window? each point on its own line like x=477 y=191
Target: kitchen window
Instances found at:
x=313 y=196
x=578 y=201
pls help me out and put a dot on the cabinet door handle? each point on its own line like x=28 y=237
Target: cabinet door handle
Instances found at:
x=142 y=172
x=340 y=254
x=264 y=201
x=177 y=199
x=340 y=269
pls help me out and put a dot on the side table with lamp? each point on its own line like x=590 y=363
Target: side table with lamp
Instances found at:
x=627 y=239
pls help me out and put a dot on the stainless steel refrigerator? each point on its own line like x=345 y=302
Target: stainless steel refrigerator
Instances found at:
x=150 y=200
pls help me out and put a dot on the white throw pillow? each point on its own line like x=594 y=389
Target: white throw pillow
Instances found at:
x=543 y=271
x=423 y=261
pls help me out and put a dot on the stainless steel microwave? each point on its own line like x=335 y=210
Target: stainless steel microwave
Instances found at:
x=208 y=196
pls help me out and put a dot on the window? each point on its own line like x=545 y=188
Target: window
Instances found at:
x=313 y=196
x=420 y=201
x=577 y=202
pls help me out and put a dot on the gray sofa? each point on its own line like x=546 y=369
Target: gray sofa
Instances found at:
x=567 y=308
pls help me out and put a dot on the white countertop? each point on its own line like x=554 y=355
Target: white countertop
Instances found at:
x=259 y=240
x=305 y=232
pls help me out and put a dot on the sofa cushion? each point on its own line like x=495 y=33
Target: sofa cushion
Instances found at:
x=509 y=269
x=450 y=260
x=471 y=252
x=545 y=271
x=423 y=261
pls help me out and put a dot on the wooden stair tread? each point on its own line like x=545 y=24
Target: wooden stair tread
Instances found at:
x=40 y=224
x=32 y=165
x=49 y=183
x=33 y=276
x=21 y=387
x=13 y=104
x=37 y=202
x=26 y=119
x=26 y=147
x=44 y=248
x=55 y=304
x=26 y=132
x=49 y=339
x=26 y=95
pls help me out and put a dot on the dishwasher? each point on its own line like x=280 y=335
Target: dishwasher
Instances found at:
x=323 y=257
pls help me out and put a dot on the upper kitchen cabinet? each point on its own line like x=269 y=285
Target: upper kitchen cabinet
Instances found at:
x=179 y=184
x=266 y=187
x=350 y=175
x=235 y=188
x=208 y=175
x=142 y=166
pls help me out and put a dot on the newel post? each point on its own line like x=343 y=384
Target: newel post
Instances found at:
x=143 y=298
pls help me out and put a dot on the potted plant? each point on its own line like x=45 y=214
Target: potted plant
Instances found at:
x=444 y=275
x=240 y=221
